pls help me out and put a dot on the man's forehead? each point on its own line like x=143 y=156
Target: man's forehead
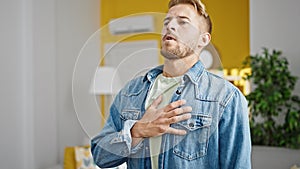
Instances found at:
x=182 y=10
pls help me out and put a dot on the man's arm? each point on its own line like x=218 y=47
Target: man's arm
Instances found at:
x=115 y=143
x=234 y=134
x=112 y=145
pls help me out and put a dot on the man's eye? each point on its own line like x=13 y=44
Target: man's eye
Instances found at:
x=181 y=22
x=166 y=23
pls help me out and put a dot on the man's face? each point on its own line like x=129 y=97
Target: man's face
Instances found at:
x=181 y=32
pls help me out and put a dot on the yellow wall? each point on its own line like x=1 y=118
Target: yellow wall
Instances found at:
x=230 y=24
x=230 y=33
x=112 y=9
x=119 y=8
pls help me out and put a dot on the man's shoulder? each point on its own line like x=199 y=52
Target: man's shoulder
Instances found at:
x=133 y=86
x=138 y=83
x=216 y=88
x=220 y=82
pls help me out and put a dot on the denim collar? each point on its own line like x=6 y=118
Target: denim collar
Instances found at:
x=153 y=73
x=194 y=73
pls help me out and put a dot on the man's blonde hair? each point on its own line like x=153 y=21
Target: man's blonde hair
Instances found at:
x=199 y=6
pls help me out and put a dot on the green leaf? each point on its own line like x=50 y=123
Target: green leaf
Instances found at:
x=272 y=98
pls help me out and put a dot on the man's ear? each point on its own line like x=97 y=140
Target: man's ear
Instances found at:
x=204 y=39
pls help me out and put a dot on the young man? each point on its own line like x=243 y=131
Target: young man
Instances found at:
x=178 y=115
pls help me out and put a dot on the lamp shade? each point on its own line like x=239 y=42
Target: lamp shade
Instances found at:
x=106 y=81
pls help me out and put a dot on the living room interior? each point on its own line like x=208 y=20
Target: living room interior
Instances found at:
x=43 y=41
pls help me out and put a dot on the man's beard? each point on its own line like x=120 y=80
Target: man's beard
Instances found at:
x=177 y=53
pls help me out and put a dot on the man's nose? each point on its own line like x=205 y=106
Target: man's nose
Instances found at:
x=172 y=26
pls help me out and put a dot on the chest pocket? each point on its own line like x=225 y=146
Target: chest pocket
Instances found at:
x=194 y=144
x=130 y=114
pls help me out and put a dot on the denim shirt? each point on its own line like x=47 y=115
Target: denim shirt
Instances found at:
x=218 y=134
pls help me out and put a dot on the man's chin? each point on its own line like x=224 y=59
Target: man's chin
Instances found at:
x=169 y=55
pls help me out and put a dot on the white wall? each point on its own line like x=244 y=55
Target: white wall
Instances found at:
x=39 y=43
x=44 y=75
x=28 y=85
x=77 y=20
x=11 y=125
x=275 y=24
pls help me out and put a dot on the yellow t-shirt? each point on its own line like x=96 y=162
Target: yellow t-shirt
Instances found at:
x=166 y=87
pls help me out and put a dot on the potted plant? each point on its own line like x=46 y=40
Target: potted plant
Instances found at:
x=274 y=109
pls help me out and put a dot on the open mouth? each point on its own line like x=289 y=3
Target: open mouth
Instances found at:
x=169 y=38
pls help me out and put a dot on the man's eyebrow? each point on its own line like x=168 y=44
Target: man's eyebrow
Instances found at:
x=184 y=17
x=180 y=17
x=167 y=18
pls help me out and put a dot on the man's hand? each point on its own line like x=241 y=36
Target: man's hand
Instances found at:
x=156 y=122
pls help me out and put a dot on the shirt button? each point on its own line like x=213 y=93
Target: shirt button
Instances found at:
x=191 y=125
x=178 y=92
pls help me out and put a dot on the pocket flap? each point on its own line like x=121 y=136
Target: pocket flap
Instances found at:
x=196 y=121
x=130 y=114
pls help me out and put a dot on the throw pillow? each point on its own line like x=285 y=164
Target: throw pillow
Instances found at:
x=84 y=159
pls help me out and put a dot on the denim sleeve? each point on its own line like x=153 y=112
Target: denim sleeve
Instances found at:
x=234 y=138
x=112 y=146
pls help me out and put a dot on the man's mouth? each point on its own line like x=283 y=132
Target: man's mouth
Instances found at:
x=169 y=37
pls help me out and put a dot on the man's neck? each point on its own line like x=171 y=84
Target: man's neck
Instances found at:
x=178 y=67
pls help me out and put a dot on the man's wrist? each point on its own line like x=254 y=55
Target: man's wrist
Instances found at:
x=136 y=130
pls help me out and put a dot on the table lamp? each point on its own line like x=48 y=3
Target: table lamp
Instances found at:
x=106 y=83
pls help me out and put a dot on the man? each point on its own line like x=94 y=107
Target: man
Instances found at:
x=178 y=115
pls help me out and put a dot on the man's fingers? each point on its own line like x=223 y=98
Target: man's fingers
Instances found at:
x=178 y=111
x=176 y=131
x=174 y=105
x=179 y=118
x=157 y=101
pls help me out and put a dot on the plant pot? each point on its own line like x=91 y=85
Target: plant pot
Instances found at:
x=274 y=157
